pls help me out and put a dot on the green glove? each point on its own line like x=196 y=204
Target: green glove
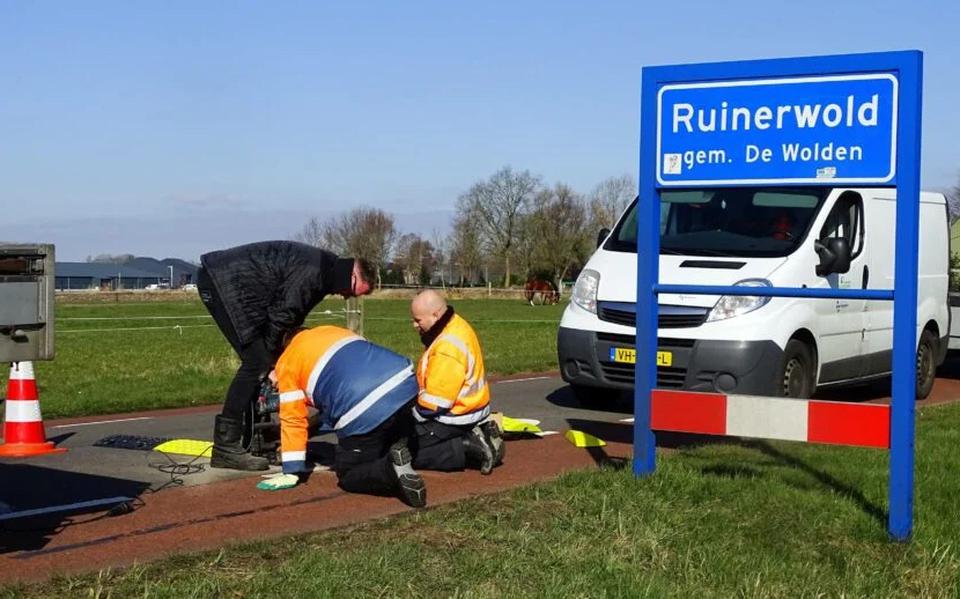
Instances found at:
x=278 y=482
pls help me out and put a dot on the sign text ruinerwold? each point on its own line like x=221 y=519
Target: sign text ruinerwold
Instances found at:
x=801 y=130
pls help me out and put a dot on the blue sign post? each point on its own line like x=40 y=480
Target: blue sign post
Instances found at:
x=821 y=121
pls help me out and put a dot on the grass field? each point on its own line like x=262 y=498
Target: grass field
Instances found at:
x=723 y=520
x=133 y=356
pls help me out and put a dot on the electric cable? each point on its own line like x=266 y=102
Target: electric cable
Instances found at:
x=176 y=470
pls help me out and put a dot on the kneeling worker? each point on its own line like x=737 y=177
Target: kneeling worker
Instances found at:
x=365 y=393
x=453 y=407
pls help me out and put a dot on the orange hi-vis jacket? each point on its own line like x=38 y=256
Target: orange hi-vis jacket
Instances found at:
x=356 y=385
x=453 y=384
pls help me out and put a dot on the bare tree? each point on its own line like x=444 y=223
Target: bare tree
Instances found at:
x=415 y=256
x=528 y=238
x=608 y=200
x=313 y=233
x=558 y=227
x=953 y=201
x=465 y=247
x=498 y=205
x=367 y=233
x=440 y=256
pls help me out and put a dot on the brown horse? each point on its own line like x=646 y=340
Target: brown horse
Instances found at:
x=541 y=290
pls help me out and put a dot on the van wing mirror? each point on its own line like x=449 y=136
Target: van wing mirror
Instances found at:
x=840 y=248
x=834 y=256
x=602 y=235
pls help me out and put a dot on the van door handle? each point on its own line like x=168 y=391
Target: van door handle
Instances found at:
x=866 y=276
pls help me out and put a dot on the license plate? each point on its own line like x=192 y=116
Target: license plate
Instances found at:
x=628 y=355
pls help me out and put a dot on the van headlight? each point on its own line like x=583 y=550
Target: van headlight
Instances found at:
x=729 y=306
x=584 y=292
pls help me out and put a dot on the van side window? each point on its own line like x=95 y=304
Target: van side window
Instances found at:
x=846 y=221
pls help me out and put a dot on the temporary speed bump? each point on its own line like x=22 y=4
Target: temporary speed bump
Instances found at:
x=190 y=447
x=582 y=439
x=520 y=425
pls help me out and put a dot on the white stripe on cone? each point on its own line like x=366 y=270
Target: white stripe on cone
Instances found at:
x=21 y=371
x=23 y=411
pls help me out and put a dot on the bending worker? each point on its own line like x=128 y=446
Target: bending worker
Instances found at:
x=366 y=394
x=257 y=293
x=453 y=406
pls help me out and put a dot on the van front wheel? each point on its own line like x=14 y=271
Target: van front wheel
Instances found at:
x=926 y=364
x=796 y=371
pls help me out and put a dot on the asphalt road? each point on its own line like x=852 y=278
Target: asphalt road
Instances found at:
x=88 y=473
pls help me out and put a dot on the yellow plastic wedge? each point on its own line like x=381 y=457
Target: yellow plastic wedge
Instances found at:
x=189 y=447
x=516 y=425
x=582 y=439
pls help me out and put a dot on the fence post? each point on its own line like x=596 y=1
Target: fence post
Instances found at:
x=355 y=314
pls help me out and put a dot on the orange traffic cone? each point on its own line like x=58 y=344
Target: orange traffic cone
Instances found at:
x=23 y=432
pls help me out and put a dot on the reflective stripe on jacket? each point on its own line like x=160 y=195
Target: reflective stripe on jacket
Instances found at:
x=453 y=384
x=356 y=385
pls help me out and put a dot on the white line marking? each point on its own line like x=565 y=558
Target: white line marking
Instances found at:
x=103 y=422
x=532 y=378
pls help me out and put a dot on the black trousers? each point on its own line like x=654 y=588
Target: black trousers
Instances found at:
x=362 y=462
x=439 y=446
x=255 y=361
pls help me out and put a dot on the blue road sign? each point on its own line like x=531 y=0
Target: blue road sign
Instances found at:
x=825 y=130
x=849 y=119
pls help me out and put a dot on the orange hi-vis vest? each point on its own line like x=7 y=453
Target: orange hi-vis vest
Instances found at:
x=453 y=384
x=356 y=385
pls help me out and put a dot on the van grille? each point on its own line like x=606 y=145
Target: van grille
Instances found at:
x=679 y=321
x=632 y=341
x=667 y=378
x=669 y=317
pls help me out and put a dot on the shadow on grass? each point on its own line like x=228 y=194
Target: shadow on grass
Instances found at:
x=620 y=432
x=841 y=488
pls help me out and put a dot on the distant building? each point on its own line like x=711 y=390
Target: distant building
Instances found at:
x=136 y=274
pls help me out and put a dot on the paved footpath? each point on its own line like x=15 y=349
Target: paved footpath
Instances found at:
x=211 y=508
x=215 y=507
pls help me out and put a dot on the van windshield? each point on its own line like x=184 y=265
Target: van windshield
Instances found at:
x=735 y=222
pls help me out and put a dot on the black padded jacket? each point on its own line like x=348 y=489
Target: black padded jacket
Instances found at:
x=269 y=287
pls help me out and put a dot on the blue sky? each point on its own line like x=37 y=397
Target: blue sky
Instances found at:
x=172 y=128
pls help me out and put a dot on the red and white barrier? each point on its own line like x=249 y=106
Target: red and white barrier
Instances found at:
x=813 y=421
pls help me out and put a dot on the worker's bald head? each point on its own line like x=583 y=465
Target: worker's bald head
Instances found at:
x=426 y=309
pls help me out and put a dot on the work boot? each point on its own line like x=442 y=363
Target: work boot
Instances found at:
x=478 y=450
x=492 y=432
x=410 y=486
x=228 y=452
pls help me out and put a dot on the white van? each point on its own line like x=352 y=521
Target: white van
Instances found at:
x=782 y=237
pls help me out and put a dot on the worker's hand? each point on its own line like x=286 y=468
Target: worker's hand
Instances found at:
x=278 y=482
